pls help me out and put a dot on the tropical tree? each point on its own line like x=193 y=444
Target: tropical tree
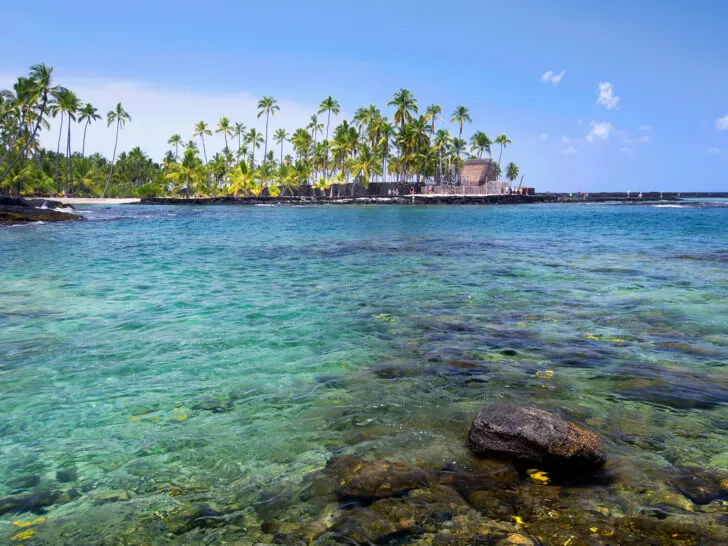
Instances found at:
x=89 y=114
x=254 y=139
x=460 y=115
x=72 y=107
x=224 y=127
x=280 y=136
x=495 y=166
x=239 y=131
x=267 y=106
x=433 y=113
x=201 y=130
x=38 y=87
x=175 y=140
x=364 y=165
x=504 y=141
x=480 y=143
x=442 y=143
x=512 y=171
x=405 y=105
x=119 y=116
x=330 y=106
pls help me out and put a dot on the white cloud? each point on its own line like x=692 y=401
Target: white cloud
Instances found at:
x=645 y=138
x=157 y=112
x=553 y=77
x=607 y=98
x=713 y=150
x=569 y=151
x=626 y=150
x=579 y=122
x=722 y=123
x=645 y=128
x=544 y=136
x=564 y=139
x=601 y=129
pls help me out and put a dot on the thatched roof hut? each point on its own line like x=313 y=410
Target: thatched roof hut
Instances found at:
x=476 y=172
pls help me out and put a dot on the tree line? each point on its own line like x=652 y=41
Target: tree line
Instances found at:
x=367 y=148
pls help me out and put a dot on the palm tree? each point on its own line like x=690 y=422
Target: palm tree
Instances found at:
x=175 y=140
x=315 y=127
x=120 y=117
x=239 y=131
x=364 y=165
x=201 y=130
x=268 y=106
x=223 y=126
x=460 y=115
x=280 y=136
x=405 y=106
x=504 y=141
x=512 y=172
x=89 y=114
x=441 y=144
x=432 y=114
x=480 y=143
x=40 y=76
x=330 y=106
x=255 y=140
x=73 y=106
x=495 y=166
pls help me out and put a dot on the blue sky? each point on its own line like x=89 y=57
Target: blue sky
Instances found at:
x=173 y=63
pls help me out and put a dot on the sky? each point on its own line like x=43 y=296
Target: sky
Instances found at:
x=596 y=96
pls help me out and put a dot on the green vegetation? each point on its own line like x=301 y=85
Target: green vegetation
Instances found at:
x=367 y=148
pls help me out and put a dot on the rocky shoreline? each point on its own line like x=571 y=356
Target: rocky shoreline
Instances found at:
x=22 y=211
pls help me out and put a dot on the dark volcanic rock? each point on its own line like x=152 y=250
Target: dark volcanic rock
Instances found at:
x=18 y=211
x=531 y=435
x=35 y=502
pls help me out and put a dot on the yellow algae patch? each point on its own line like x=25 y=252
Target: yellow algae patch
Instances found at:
x=592 y=336
x=22 y=535
x=23 y=524
x=386 y=317
x=519 y=520
x=522 y=324
x=593 y=529
x=538 y=476
x=546 y=374
x=180 y=414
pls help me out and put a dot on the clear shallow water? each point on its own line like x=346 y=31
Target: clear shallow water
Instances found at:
x=218 y=353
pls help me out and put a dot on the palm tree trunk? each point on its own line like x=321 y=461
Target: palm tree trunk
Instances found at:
x=58 y=152
x=113 y=157
x=83 y=148
x=176 y=150
x=265 y=151
x=281 y=152
x=204 y=150
x=68 y=156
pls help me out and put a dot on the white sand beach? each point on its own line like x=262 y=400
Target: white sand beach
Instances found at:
x=95 y=200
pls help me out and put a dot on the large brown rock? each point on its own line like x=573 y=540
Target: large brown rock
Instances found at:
x=531 y=435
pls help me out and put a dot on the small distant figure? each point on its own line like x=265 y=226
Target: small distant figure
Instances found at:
x=627 y=194
x=640 y=195
x=389 y=192
x=660 y=196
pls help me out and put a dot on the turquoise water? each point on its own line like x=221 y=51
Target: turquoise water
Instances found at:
x=159 y=355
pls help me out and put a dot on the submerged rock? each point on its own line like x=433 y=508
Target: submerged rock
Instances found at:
x=24 y=482
x=700 y=486
x=531 y=435
x=36 y=502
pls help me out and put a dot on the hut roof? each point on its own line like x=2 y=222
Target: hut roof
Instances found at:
x=476 y=172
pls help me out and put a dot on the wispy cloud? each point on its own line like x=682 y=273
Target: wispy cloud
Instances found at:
x=626 y=150
x=645 y=138
x=600 y=129
x=644 y=128
x=564 y=139
x=553 y=77
x=713 y=150
x=579 y=122
x=570 y=151
x=606 y=96
x=722 y=123
x=544 y=136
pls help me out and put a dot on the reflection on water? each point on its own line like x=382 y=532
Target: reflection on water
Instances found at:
x=187 y=374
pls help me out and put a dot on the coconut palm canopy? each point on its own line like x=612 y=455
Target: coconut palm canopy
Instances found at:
x=397 y=142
